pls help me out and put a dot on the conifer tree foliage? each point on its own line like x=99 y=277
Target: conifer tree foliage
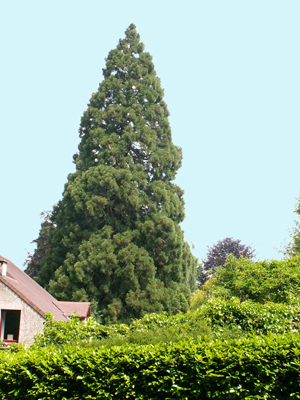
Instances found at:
x=115 y=236
x=33 y=262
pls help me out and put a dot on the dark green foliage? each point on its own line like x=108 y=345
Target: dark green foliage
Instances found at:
x=33 y=262
x=267 y=368
x=115 y=237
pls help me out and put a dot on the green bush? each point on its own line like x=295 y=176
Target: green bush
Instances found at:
x=265 y=367
x=276 y=281
x=215 y=319
x=263 y=281
x=250 y=316
x=151 y=329
x=163 y=357
x=73 y=332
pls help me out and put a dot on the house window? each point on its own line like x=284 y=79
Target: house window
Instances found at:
x=10 y=325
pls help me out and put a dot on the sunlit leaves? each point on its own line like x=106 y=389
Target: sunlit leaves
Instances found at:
x=264 y=368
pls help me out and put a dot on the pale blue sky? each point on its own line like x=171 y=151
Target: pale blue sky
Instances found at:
x=230 y=70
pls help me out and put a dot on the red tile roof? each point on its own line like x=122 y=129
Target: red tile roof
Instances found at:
x=36 y=296
x=68 y=307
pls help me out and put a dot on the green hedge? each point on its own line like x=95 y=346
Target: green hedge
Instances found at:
x=265 y=367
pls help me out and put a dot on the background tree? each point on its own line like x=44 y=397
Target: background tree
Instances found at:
x=115 y=236
x=263 y=281
x=33 y=262
x=270 y=280
x=293 y=248
x=218 y=253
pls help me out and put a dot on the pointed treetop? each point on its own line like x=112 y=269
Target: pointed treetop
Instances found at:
x=126 y=122
x=115 y=236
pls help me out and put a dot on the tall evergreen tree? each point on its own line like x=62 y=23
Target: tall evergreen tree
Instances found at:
x=115 y=236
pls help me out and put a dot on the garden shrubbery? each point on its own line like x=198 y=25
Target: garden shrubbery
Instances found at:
x=263 y=281
x=214 y=319
x=217 y=318
x=265 y=367
x=224 y=349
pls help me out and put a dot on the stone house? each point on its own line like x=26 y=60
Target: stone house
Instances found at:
x=24 y=303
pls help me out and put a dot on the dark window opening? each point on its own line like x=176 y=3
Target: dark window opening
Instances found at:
x=10 y=325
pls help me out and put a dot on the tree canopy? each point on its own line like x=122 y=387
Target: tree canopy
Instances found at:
x=261 y=282
x=218 y=253
x=115 y=236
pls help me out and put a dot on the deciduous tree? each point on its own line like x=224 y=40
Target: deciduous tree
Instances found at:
x=270 y=280
x=217 y=255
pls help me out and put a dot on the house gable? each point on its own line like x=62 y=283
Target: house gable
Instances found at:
x=31 y=292
x=30 y=321
x=21 y=297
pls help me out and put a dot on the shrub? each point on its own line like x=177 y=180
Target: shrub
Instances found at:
x=214 y=319
x=265 y=367
x=276 y=281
